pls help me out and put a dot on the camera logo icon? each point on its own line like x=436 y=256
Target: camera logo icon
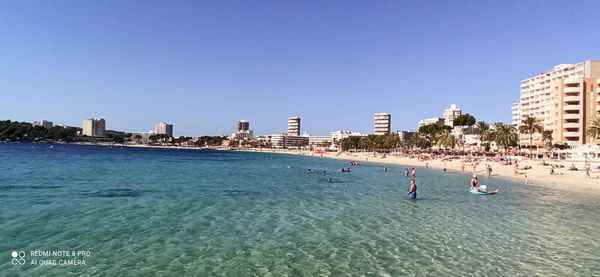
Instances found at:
x=18 y=258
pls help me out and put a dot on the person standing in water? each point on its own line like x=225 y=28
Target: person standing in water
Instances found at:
x=406 y=172
x=413 y=174
x=412 y=192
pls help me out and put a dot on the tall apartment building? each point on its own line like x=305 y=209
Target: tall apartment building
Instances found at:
x=564 y=100
x=164 y=128
x=242 y=131
x=383 y=123
x=294 y=126
x=450 y=114
x=94 y=127
x=243 y=125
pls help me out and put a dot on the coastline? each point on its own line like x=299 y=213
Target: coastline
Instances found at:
x=538 y=175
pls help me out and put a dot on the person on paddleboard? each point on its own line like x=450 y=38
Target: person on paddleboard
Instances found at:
x=476 y=188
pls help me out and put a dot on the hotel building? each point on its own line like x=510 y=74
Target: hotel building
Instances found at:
x=243 y=131
x=564 y=99
x=94 y=127
x=383 y=123
x=450 y=114
x=427 y=121
x=163 y=128
x=243 y=125
x=294 y=126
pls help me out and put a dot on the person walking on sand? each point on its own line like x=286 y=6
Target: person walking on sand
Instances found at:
x=516 y=168
x=462 y=167
x=474 y=167
x=587 y=170
x=489 y=170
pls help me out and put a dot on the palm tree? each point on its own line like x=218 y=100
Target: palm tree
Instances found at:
x=530 y=125
x=594 y=130
x=547 y=138
x=505 y=135
x=445 y=139
x=418 y=140
x=482 y=129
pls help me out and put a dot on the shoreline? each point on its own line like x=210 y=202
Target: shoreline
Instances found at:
x=538 y=175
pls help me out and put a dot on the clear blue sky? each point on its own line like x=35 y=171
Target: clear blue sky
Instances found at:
x=203 y=65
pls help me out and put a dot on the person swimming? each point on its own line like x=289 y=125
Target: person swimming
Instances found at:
x=412 y=192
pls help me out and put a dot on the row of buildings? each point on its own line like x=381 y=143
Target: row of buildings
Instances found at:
x=97 y=128
x=244 y=136
x=565 y=99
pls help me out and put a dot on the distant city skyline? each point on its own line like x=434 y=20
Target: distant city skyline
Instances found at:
x=203 y=66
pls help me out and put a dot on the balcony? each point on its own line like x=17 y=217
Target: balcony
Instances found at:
x=572 y=98
x=571 y=125
x=572 y=107
x=571 y=116
x=572 y=89
x=571 y=134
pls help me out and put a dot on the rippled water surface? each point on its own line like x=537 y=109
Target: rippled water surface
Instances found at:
x=156 y=212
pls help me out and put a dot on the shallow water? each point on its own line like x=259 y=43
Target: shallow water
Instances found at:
x=157 y=212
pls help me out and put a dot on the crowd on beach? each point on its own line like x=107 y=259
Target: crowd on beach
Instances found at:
x=579 y=176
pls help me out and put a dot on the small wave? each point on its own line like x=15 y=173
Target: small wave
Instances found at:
x=235 y=192
x=13 y=187
x=114 y=193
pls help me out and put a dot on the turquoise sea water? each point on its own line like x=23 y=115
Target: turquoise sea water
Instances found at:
x=157 y=212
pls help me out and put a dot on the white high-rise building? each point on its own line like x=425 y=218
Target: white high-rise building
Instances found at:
x=450 y=114
x=383 y=123
x=294 y=126
x=94 y=127
x=164 y=128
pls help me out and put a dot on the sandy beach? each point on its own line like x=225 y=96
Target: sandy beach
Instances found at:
x=537 y=175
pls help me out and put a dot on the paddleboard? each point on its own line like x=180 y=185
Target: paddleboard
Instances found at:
x=477 y=192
